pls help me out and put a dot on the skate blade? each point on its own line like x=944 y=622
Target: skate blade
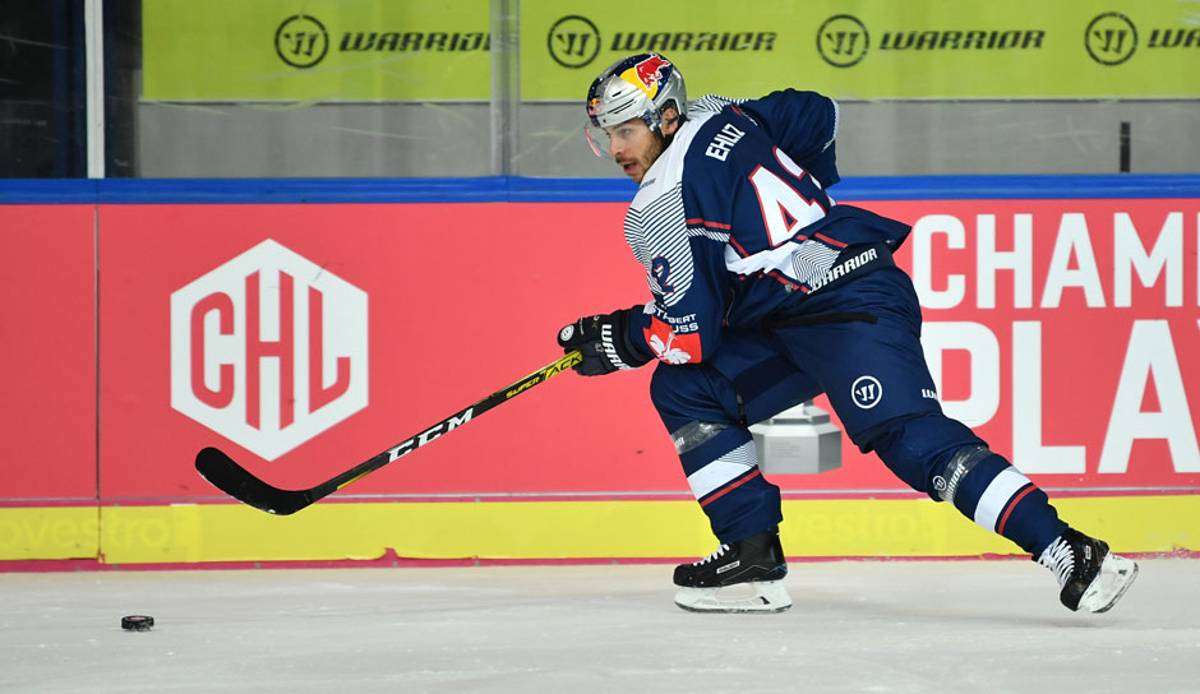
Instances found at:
x=758 y=596
x=1116 y=575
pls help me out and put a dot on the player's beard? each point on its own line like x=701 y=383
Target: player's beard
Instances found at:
x=658 y=144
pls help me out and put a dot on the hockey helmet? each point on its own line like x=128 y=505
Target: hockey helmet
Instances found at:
x=639 y=86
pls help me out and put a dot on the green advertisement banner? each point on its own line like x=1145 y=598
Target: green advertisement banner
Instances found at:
x=315 y=50
x=405 y=50
x=876 y=49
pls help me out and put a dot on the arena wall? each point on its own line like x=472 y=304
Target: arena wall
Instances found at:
x=1062 y=322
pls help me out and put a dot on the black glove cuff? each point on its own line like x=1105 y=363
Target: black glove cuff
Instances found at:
x=627 y=346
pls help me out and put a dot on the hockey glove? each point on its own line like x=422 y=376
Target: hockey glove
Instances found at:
x=604 y=341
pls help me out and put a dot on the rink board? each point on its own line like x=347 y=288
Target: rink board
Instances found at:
x=548 y=531
x=1062 y=323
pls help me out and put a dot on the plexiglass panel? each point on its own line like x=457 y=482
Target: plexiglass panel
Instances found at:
x=42 y=88
x=232 y=88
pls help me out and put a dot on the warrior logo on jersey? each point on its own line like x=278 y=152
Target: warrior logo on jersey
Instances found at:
x=866 y=391
x=661 y=269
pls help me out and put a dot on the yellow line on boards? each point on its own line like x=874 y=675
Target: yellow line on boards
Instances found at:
x=552 y=530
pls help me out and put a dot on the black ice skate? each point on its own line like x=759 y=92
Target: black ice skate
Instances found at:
x=1091 y=577
x=746 y=576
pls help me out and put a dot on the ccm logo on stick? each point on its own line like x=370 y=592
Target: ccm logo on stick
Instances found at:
x=430 y=434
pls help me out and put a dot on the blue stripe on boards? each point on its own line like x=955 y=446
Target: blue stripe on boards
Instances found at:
x=523 y=189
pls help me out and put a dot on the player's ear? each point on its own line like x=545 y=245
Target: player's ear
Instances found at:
x=670 y=120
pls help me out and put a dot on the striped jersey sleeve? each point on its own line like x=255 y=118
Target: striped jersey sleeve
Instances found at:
x=685 y=269
x=658 y=236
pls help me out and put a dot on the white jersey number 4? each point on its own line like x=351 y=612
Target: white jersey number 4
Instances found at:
x=785 y=210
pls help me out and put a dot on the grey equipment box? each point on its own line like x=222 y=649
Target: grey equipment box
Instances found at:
x=798 y=441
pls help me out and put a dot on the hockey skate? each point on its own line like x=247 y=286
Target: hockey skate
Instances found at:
x=1092 y=578
x=746 y=576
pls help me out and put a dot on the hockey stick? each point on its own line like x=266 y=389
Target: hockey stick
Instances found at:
x=233 y=479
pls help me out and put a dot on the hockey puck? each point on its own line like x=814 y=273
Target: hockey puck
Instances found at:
x=137 y=622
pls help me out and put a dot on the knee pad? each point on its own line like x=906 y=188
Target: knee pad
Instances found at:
x=695 y=434
x=946 y=481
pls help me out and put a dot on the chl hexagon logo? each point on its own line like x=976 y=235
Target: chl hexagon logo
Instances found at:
x=269 y=350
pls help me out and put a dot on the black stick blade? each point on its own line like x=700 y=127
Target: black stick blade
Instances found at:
x=225 y=474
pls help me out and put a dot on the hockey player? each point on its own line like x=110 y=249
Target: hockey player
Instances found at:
x=766 y=293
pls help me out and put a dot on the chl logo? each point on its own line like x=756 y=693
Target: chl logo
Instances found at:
x=301 y=41
x=866 y=392
x=573 y=41
x=269 y=350
x=843 y=41
x=1110 y=38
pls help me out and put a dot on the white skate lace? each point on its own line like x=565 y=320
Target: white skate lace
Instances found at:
x=1059 y=558
x=720 y=551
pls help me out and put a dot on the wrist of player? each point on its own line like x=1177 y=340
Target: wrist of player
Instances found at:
x=605 y=341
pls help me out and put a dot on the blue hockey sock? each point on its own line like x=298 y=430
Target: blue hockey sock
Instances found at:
x=724 y=476
x=984 y=487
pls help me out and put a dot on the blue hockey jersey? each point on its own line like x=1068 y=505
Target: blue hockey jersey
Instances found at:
x=734 y=220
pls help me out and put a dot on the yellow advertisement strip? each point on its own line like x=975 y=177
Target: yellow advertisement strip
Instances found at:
x=316 y=50
x=62 y=532
x=552 y=530
x=876 y=49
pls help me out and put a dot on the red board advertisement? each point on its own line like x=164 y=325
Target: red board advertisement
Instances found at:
x=462 y=300
x=1069 y=332
x=48 y=342
x=304 y=339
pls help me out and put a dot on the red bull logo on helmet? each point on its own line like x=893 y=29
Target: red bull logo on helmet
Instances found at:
x=648 y=74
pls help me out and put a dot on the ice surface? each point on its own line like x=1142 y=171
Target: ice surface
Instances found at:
x=856 y=627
